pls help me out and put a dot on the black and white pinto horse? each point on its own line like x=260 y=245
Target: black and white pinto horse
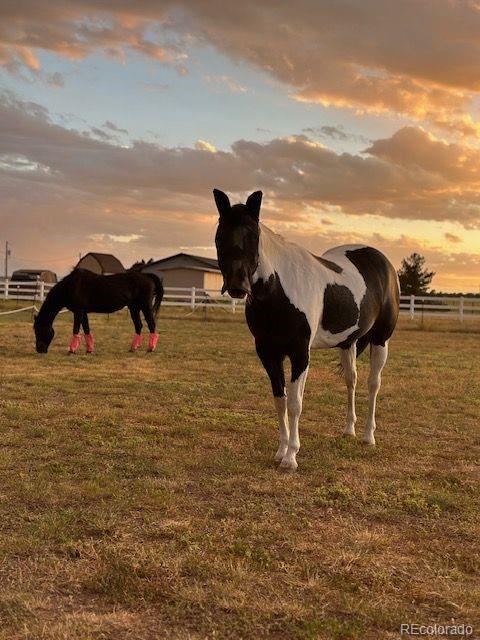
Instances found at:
x=348 y=298
x=84 y=292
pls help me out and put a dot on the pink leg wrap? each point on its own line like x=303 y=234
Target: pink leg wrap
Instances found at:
x=74 y=343
x=152 y=341
x=90 y=342
x=136 y=342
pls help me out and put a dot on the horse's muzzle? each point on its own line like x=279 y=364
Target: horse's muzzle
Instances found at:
x=238 y=293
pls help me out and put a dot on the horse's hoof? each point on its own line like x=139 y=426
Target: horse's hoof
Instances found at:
x=281 y=453
x=368 y=442
x=71 y=353
x=348 y=434
x=287 y=467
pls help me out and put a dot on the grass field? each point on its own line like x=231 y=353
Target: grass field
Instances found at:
x=139 y=499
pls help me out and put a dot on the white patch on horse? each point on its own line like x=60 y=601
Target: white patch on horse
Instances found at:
x=284 y=431
x=294 y=409
x=348 y=360
x=304 y=279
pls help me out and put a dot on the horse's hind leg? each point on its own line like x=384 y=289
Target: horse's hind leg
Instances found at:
x=89 y=341
x=378 y=358
x=348 y=360
x=76 y=339
x=137 y=322
x=150 y=320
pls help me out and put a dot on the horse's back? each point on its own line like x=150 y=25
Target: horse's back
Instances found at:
x=372 y=265
x=100 y=293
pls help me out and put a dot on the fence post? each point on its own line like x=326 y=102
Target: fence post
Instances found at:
x=234 y=305
x=460 y=309
x=5 y=294
x=412 y=307
x=42 y=291
x=192 y=299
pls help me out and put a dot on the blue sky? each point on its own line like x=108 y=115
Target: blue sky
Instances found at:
x=218 y=100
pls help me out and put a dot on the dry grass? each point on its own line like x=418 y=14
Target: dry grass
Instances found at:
x=138 y=498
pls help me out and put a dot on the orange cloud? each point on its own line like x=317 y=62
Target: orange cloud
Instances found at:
x=416 y=59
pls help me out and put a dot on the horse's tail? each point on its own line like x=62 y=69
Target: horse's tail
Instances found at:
x=157 y=300
x=363 y=342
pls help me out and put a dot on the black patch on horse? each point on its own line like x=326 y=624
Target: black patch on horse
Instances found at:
x=280 y=330
x=380 y=304
x=329 y=264
x=340 y=310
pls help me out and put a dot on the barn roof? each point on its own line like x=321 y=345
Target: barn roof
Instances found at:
x=108 y=262
x=186 y=261
x=32 y=271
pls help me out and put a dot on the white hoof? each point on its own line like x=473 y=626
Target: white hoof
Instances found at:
x=288 y=466
x=349 y=433
x=369 y=439
x=280 y=454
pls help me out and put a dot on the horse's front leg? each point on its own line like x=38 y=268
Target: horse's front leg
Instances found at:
x=300 y=358
x=272 y=360
x=76 y=338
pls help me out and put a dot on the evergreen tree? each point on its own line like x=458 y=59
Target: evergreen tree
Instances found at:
x=414 y=278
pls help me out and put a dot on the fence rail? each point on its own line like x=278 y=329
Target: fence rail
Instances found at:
x=412 y=306
x=440 y=307
x=174 y=296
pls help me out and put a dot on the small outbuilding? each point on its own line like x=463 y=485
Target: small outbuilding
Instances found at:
x=186 y=270
x=102 y=263
x=34 y=275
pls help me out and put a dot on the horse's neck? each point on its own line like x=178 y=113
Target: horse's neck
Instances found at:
x=277 y=255
x=51 y=307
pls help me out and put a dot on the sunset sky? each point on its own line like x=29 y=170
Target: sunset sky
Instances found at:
x=359 y=120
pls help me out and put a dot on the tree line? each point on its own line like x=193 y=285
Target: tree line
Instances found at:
x=415 y=279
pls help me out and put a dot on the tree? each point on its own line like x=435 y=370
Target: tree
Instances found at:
x=414 y=278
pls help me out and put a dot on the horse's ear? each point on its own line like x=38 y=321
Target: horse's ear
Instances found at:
x=253 y=204
x=222 y=202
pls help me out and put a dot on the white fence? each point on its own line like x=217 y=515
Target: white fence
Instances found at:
x=427 y=306
x=173 y=297
x=413 y=306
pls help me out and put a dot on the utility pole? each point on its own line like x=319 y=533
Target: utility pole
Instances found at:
x=7 y=254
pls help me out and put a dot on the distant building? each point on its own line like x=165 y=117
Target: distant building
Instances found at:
x=185 y=270
x=103 y=263
x=33 y=275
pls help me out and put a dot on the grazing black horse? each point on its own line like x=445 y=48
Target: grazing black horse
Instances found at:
x=348 y=298
x=84 y=292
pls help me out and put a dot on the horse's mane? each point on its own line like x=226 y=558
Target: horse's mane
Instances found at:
x=140 y=264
